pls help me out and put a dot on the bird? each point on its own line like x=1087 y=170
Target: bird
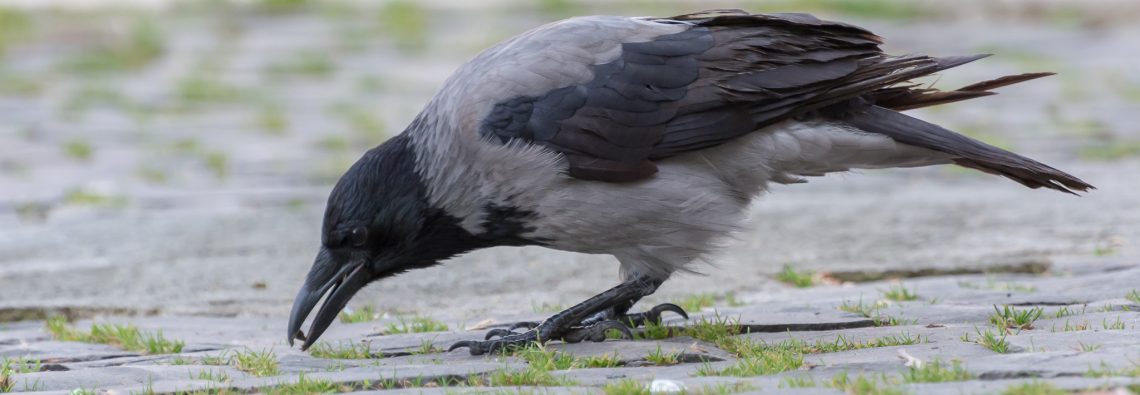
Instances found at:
x=642 y=138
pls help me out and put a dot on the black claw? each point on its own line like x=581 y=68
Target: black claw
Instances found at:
x=498 y=332
x=471 y=345
x=661 y=308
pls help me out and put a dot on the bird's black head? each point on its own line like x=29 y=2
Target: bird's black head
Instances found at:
x=378 y=223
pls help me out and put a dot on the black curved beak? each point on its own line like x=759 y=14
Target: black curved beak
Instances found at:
x=327 y=276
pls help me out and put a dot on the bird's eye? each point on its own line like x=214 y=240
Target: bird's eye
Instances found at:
x=359 y=236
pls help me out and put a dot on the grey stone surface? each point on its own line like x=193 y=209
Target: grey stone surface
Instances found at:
x=1070 y=347
x=156 y=231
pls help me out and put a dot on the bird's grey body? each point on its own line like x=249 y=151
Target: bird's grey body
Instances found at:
x=653 y=226
x=641 y=138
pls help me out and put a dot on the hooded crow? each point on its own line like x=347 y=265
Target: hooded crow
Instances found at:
x=641 y=138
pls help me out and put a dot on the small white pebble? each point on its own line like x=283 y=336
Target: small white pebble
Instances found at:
x=908 y=360
x=666 y=387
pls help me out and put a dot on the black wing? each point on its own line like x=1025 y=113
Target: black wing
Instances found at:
x=730 y=74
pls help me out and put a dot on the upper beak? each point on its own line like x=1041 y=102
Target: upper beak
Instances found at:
x=344 y=280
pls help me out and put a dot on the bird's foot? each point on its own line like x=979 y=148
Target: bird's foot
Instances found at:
x=574 y=324
x=509 y=340
x=592 y=329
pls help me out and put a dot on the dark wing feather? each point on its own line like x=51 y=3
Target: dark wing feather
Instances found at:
x=730 y=74
x=912 y=96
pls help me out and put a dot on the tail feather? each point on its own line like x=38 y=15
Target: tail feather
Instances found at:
x=909 y=97
x=967 y=151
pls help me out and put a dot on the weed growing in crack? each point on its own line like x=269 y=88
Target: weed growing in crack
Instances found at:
x=899 y=293
x=662 y=358
x=346 y=350
x=127 y=337
x=1012 y=319
x=258 y=363
x=415 y=324
x=796 y=278
x=992 y=340
x=937 y=372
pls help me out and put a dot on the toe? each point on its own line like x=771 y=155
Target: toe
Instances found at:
x=498 y=332
x=473 y=346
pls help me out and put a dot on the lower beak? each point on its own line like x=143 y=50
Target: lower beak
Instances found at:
x=325 y=275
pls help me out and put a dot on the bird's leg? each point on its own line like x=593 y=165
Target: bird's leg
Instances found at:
x=567 y=323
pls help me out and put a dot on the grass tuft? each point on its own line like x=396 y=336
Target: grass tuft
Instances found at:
x=1034 y=387
x=417 y=324
x=303 y=64
x=19 y=85
x=759 y=358
x=127 y=337
x=1012 y=319
x=1065 y=311
x=272 y=120
x=716 y=330
x=218 y=163
x=758 y=363
x=1115 y=325
x=77 y=149
x=937 y=372
x=1108 y=371
x=201 y=88
x=799 y=279
x=1070 y=327
x=81 y=197
x=872 y=311
x=405 y=22
x=899 y=293
x=600 y=361
x=363 y=314
x=305 y=386
x=541 y=358
x=14 y=25
x=283 y=6
x=258 y=363
x=1133 y=296
x=650 y=331
x=625 y=387
x=346 y=350
x=863 y=385
x=11 y=366
x=142 y=45
x=990 y=340
x=528 y=376
x=211 y=375
x=662 y=358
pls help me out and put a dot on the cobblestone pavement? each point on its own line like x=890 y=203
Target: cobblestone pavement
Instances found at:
x=1075 y=329
x=168 y=168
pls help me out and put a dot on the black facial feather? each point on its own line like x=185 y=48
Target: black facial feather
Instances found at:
x=383 y=192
